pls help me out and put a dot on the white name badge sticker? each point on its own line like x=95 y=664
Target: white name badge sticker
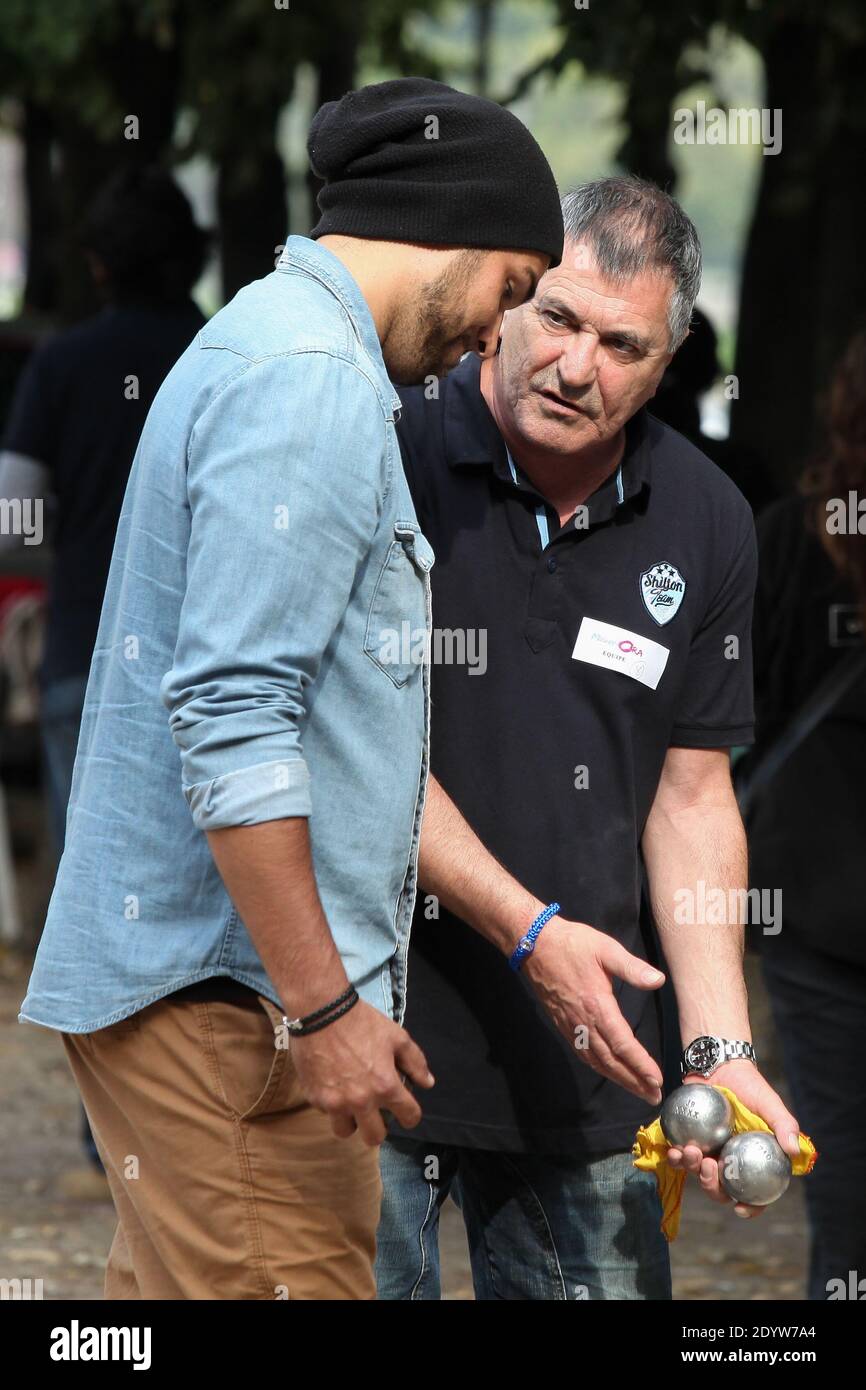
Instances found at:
x=601 y=644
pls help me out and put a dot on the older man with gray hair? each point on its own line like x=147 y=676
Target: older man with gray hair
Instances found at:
x=611 y=567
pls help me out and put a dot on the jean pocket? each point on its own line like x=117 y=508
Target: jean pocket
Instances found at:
x=245 y=1053
x=397 y=636
x=272 y=1096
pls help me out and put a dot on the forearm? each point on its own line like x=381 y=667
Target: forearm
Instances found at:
x=455 y=867
x=682 y=848
x=268 y=872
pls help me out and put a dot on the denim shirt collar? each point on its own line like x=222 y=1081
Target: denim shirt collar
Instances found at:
x=323 y=265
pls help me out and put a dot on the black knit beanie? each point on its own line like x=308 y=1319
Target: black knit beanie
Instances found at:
x=414 y=160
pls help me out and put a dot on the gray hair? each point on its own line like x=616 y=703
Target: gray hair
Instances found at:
x=633 y=226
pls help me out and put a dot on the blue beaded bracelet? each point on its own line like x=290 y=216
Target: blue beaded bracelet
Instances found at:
x=526 y=944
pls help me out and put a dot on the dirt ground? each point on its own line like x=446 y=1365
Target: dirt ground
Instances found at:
x=56 y=1221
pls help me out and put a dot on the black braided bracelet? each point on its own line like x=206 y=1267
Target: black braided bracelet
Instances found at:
x=332 y=1018
x=329 y=1013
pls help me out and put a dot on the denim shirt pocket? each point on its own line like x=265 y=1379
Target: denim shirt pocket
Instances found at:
x=397 y=637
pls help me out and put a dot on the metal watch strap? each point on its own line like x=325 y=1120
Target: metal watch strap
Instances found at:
x=732 y=1050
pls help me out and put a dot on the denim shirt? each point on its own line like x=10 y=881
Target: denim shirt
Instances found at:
x=262 y=652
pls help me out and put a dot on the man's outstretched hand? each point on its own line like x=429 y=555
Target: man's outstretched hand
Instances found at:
x=572 y=970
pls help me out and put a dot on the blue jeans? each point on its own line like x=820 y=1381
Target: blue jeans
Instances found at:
x=538 y=1227
x=819 y=1005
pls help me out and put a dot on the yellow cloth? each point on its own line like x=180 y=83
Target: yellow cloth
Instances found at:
x=650 y=1150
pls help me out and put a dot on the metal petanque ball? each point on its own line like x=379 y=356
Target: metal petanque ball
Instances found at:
x=754 y=1168
x=697 y=1115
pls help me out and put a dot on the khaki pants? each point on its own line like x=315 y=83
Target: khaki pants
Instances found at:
x=226 y=1182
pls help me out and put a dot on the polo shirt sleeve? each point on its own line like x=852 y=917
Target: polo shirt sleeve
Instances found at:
x=716 y=708
x=284 y=483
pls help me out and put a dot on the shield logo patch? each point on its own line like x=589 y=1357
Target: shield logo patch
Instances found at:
x=662 y=589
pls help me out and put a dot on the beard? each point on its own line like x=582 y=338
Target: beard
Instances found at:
x=410 y=361
x=431 y=334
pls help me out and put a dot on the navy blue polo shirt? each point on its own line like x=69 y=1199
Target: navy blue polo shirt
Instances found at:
x=562 y=674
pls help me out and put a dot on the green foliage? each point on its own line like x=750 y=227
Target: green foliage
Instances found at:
x=238 y=59
x=238 y=72
x=51 y=52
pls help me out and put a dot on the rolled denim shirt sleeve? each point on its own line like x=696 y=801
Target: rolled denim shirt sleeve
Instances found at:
x=284 y=484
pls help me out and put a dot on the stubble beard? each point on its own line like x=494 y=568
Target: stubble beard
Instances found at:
x=411 y=360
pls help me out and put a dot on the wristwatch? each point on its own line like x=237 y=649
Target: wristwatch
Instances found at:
x=706 y=1053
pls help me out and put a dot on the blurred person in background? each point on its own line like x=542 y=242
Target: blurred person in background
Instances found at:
x=74 y=424
x=694 y=370
x=808 y=824
x=76 y=417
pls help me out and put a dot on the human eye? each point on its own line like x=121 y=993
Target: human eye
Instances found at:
x=554 y=318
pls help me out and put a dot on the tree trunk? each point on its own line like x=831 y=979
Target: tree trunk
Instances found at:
x=251 y=204
x=650 y=93
x=804 y=280
x=85 y=164
x=484 y=16
x=41 y=286
x=336 y=70
x=146 y=86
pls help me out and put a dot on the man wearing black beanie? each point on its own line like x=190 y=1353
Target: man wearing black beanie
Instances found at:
x=414 y=160
x=419 y=165
x=242 y=870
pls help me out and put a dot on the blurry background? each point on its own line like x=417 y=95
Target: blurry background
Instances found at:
x=221 y=95
x=224 y=94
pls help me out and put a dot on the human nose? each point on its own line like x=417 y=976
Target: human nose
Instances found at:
x=578 y=362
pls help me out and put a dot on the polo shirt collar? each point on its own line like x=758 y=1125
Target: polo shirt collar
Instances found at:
x=632 y=476
x=471 y=433
x=472 y=437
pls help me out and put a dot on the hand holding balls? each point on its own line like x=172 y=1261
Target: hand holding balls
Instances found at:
x=753 y=1167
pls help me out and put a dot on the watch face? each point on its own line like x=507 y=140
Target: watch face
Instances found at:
x=703 y=1054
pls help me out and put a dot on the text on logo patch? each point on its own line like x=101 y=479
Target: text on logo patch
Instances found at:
x=662 y=589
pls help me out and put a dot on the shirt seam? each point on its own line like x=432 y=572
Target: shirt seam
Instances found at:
x=138 y=1005
x=715 y=728
x=250 y=362
x=305 y=265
